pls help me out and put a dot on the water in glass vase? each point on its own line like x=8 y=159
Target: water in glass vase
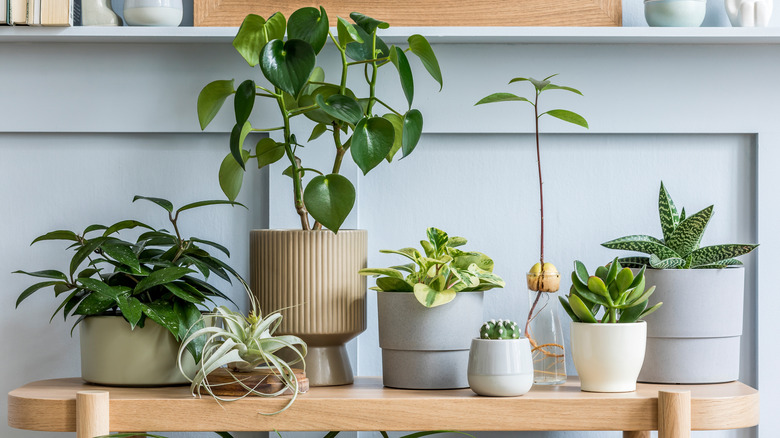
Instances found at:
x=543 y=330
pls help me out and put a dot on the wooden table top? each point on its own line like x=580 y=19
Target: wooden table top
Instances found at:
x=49 y=405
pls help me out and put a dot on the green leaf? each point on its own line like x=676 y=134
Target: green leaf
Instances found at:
x=30 y=290
x=189 y=321
x=568 y=309
x=244 y=101
x=113 y=292
x=288 y=65
x=48 y=273
x=159 y=277
x=347 y=33
x=162 y=313
x=57 y=235
x=371 y=142
x=670 y=263
x=716 y=253
x=341 y=107
x=469 y=279
x=667 y=213
x=501 y=97
x=580 y=309
x=392 y=284
x=596 y=285
x=319 y=129
x=631 y=314
x=268 y=152
x=568 y=116
x=125 y=225
x=612 y=273
x=367 y=23
x=687 y=236
x=430 y=297
x=422 y=48
x=164 y=203
x=412 y=130
x=585 y=294
x=237 y=137
x=634 y=262
x=650 y=310
x=581 y=272
x=211 y=99
x=94 y=304
x=558 y=87
x=624 y=279
x=310 y=25
x=94 y=227
x=184 y=294
x=213 y=244
x=255 y=33
x=410 y=253
x=85 y=251
x=131 y=308
x=382 y=271
x=363 y=51
x=398 y=132
x=123 y=253
x=198 y=204
x=641 y=243
x=329 y=199
x=231 y=175
x=401 y=63
x=462 y=260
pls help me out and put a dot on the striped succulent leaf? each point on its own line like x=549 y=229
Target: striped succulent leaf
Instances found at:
x=682 y=214
x=720 y=264
x=711 y=255
x=687 y=235
x=634 y=262
x=642 y=243
x=667 y=212
x=670 y=263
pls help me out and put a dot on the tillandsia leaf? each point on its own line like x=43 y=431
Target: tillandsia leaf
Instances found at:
x=341 y=107
x=390 y=272
x=211 y=99
x=398 y=132
x=568 y=116
x=255 y=32
x=347 y=33
x=580 y=309
x=641 y=243
x=712 y=254
x=501 y=97
x=363 y=51
x=371 y=142
x=244 y=101
x=231 y=174
x=392 y=284
x=57 y=235
x=268 y=152
x=422 y=48
x=667 y=213
x=670 y=263
x=412 y=131
x=310 y=25
x=687 y=236
x=430 y=297
x=288 y=65
x=401 y=63
x=329 y=199
x=634 y=262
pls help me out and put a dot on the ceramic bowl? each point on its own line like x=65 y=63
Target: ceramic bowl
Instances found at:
x=675 y=13
x=500 y=367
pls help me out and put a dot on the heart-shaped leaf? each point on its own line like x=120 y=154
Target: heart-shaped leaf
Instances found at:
x=401 y=63
x=310 y=25
x=268 y=151
x=244 y=101
x=255 y=33
x=329 y=199
x=363 y=51
x=367 y=23
x=347 y=33
x=288 y=65
x=237 y=137
x=231 y=175
x=413 y=124
x=430 y=297
x=341 y=107
x=422 y=48
x=210 y=100
x=371 y=142
x=317 y=131
x=398 y=129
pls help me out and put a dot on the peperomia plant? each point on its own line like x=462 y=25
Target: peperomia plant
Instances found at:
x=615 y=288
x=438 y=275
x=679 y=248
x=299 y=88
x=161 y=276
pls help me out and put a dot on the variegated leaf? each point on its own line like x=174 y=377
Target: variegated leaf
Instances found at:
x=720 y=264
x=670 y=263
x=641 y=243
x=634 y=262
x=682 y=215
x=687 y=235
x=667 y=212
x=375 y=272
x=712 y=254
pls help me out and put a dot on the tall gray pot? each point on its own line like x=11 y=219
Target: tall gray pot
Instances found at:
x=694 y=337
x=427 y=348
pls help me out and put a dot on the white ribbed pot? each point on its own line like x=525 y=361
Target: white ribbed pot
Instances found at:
x=113 y=354
x=500 y=367
x=312 y=278
x=427 y=348
x=608 y=357
x=694 y=337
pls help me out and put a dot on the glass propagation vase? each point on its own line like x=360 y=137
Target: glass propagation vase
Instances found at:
x=543 y=330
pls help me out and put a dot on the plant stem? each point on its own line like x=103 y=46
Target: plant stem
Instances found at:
x=530 y=314
x=300 y=207
x=541 y=193
x=372 y=83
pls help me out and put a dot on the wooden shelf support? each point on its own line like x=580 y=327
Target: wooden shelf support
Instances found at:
x=674 y=414
x=91 y=414
x=637 y=434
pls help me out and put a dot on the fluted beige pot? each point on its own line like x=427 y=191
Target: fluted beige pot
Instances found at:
x=312 y=278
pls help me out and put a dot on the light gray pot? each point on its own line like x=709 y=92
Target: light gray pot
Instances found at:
x=427 y=348
x=694 y=337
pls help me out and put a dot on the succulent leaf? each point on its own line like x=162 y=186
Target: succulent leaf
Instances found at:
x=580 y=309
x=687 y=235
x=568 y=309
x=634 y=262
x=612 y=272
x=670 y=263
x=631 y=314
x=650 y=310
x=581 y=272
x=641 y=243
x=624 y=279
x=499 y=330
x=596 y=285
x=667 y=212
x=712 y=254
x=601 y=272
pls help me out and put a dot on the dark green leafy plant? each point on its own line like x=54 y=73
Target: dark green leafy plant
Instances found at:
x=300 y=89
x=438 y=275
x=161 y=276
x=614 y=288
x=679 y=248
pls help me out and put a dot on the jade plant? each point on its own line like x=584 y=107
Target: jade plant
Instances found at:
x=160 y=276
x=614 y=288
x=367 y=127
x=680 y=246
x=499 y=330
x=438 y=274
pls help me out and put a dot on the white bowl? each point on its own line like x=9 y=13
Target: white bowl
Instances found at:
x=500 y=367
x=675 y=13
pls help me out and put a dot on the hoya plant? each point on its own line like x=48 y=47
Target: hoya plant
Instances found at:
x=438 y=274
x=359 y=122
x=161 y=275
x=614 y=289
x=680 y=246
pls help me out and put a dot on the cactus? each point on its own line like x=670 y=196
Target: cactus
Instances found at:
x=499 y=330
x=614 y=288
x=679 y=248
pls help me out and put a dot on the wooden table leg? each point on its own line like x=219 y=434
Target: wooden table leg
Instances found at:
x=674 y=414
x=636 y=434
x=91 y=414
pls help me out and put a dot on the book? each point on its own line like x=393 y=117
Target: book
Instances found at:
x=56 y=13
x=18 y=12
x=33 y=12
x=4 y=13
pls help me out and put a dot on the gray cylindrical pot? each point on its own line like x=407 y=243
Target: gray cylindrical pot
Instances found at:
x=113 y=354
x=427 y=348
x=694 y=337
x=312 y=278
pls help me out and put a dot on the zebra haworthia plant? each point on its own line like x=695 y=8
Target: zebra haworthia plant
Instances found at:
x=440 y=273
x=613 y=288
x=679 y=248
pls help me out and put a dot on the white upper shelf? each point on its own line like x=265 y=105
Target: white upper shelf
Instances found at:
x=442 y=35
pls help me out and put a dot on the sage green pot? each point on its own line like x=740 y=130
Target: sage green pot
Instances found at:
x=112 y=354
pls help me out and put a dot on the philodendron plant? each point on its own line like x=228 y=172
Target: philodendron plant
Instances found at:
x=438 y=275
x=614 y=288
x=365 y=126
x=679 y=248
x=160 y=276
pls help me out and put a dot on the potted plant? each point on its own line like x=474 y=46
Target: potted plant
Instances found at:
x=427 y=317
x=608 y=353
x=697 y=341
x=542 y=326
x=500 y=361
x=311 y=272
x=135 y=301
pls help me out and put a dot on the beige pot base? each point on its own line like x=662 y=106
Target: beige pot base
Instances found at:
x=328 y=366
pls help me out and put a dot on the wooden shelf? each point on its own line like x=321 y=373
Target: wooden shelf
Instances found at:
x=50 y=405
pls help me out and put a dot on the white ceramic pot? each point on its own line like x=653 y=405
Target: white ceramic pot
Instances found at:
x=608 y=357
x=675 y=13
x=500 y=367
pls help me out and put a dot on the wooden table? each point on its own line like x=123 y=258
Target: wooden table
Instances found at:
x=70 y=405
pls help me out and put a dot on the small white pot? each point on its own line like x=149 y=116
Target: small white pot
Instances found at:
x=500 y=367
x=608 y=357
